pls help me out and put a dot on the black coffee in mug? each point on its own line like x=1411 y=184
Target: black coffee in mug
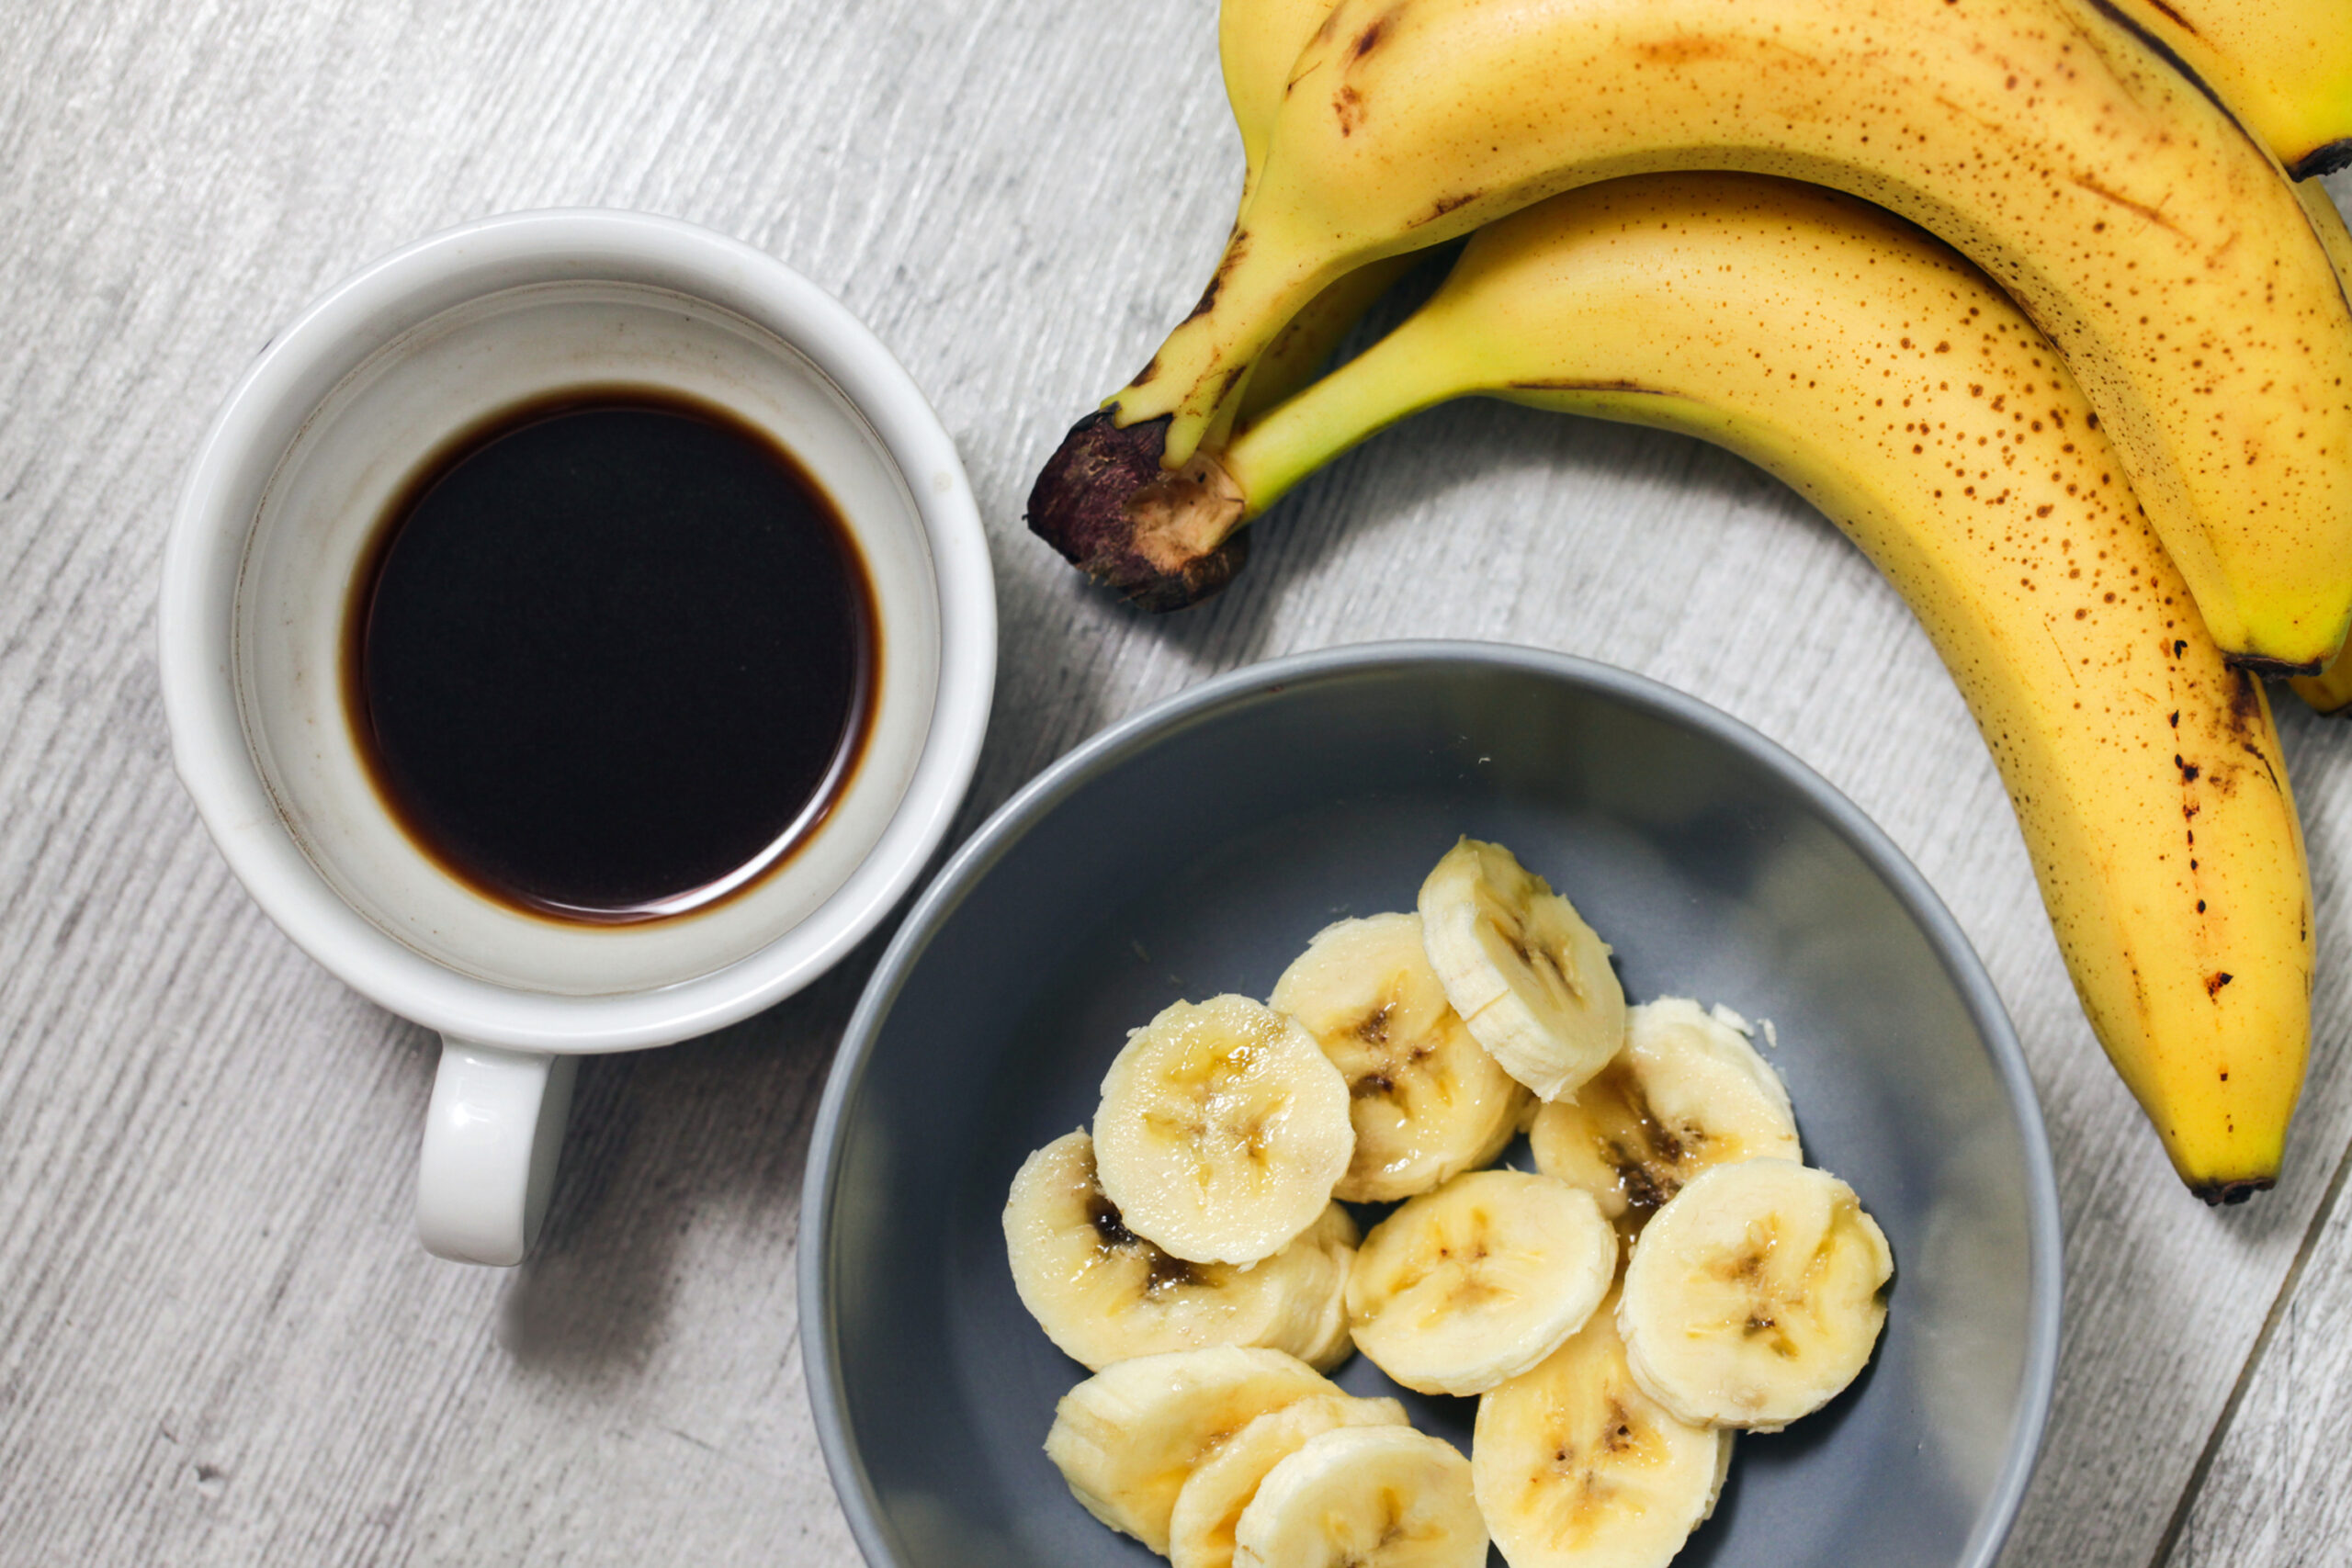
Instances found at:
x=612 y=656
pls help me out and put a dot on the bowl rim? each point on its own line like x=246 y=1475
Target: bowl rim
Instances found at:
x=1012 y=821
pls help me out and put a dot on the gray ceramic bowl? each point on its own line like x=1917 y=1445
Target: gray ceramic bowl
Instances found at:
x=1196 y=848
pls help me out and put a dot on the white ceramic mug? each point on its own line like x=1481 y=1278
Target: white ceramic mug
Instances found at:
x=292 y=483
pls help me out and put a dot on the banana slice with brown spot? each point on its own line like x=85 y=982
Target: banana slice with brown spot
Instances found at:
x=1528 y=975
x=1223 y=1130
x=1426 y=1099
x=1104 y=1294
x=1689 y=1091
x=1756 y=1295
x=1575 y=1467
x=1476 y=1283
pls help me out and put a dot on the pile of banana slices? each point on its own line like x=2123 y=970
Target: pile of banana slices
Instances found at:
x=1194 y=1252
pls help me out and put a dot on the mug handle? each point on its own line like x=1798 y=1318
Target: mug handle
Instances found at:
x=491 y=1137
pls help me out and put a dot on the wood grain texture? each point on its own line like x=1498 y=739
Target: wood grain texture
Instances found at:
x=2277 y=1483
x=218 y=1342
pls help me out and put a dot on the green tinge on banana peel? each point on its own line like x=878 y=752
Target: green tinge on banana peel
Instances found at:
x=1293 y=359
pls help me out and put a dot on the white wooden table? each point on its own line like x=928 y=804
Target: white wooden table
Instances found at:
x=220 y=1342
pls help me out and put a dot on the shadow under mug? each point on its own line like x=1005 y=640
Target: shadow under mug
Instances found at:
x=290 y=488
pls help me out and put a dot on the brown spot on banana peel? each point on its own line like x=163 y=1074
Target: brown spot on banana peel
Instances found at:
x=1686 y=50
x=1444 y=205
x=1347 y=104
x=1234 y=249
x=1162 y=540
x=2245 y=703
x=1321 y=34
x=2259 y=755
x=1586 y=387
x=2125 y=202
x=2243 y=724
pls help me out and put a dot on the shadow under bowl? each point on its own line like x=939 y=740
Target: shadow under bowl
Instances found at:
x=1196 y=848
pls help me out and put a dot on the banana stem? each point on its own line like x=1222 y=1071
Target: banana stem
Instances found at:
x=1414 y=367
x=1299 y=356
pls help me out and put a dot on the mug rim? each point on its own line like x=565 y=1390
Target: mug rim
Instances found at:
x=205 y=551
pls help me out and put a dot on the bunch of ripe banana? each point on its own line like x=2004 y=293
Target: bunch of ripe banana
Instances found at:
x=1998 y=284
x=1194 y=1252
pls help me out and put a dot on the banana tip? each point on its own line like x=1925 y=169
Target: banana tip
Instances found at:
x=2323 y=160
x=2220 y=1194
x=2277 y=668
x=1162 y=539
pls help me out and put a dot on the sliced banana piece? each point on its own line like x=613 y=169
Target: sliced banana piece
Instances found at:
x=1476 y=1283
x=1200 y=1532
x=1518 y=963
x=1128 y=1437
x=1575 y=1467
x=1364 y=1497
x=1104 y=1294
x=1687 y=1092
x=1756 y=1295
x=1332 y=1338
x=1222 y=1131
x=1426 y=1099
